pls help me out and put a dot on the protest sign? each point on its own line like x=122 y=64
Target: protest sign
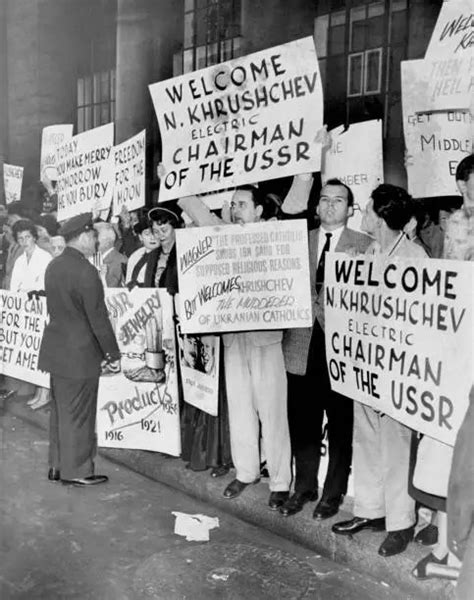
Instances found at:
x=360 y=166
x=399 y=338
x=245 y=120
x=449 y=60
x=129 y=182
x=436 y=142
x=12 y=181
x=85 y=172
x=51 y=138
x=138 y=407
x=199 y=360
x=241 y=278
x=22 y=323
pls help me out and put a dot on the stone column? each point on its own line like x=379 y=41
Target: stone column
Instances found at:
x=134 y=60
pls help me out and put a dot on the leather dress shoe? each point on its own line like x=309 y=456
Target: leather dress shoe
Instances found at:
x=236 y=487
x=396 y=542
x=53 y=474
x=86 y=481
x=295 y=503
x=358 y=524
x=325 y=509
x=277 y=499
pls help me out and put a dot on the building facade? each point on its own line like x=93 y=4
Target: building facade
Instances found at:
x=89 y=62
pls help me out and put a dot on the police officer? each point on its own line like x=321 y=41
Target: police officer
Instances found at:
x=77 y=342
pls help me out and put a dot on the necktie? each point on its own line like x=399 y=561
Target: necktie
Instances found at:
x=322 y=260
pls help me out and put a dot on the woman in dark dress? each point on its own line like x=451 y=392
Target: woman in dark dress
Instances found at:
x=205 y=439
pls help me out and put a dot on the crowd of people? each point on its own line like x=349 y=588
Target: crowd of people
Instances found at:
x=274 y=387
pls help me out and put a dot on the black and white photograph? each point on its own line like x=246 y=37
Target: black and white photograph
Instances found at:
x=236 y=299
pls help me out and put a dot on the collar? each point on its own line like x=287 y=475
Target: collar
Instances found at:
x=107 y=252
x=334 y=232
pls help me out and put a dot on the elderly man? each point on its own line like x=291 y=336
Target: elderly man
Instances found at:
x=113 y=264
x=309 y=389
x=256 y=390
x=77 y=341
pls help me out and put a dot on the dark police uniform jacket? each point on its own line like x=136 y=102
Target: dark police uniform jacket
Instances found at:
x=79 y=334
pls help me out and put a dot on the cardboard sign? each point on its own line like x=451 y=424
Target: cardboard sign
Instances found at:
x=199 y=361
x=449 y=59
x=244 y=277
x=436 y=142
x=399 y=338
x=360 y=166
x=85 y=172
x=129 y=182
x=22 y=323
x=51 y=138
x=138 y=407
x=12 y=181
x=246 y=120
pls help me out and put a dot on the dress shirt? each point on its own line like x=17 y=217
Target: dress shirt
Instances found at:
x=335 y=235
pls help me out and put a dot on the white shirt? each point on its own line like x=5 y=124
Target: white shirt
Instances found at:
x=29 y=275
x=335 y=235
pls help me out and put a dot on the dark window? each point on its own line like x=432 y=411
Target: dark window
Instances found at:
x=211 y=33
x=95 y=100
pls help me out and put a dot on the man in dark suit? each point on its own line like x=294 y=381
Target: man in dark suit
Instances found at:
x=309 y=389
x=77 y=341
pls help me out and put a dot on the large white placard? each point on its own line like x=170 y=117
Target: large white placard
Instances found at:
x=449 y=59
x=399 y=338
x=51 y=138
x=358 y=165
x=246 y=120
x=138 y=407
x=12 y=182
x=244 y=277
x=22 y=323
x=129 y=183
x=199 y=360
x=85 y=172
x=436 y=142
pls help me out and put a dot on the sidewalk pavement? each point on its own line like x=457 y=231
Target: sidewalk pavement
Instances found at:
x=358 y=552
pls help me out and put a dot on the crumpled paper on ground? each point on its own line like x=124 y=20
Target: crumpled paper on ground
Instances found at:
x=195 y=528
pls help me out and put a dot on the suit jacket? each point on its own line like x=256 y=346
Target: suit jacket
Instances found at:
x=296 y=341
x=79 y=334
x=116 y=264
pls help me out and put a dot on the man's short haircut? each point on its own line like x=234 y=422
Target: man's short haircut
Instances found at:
x=465 y=168
x=336 y=181
x=24 y=225
x=393 y=204
x=268 y=204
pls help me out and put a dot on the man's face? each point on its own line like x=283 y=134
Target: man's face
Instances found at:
x=467 y=190
x=243 y=209
x=57 y=245
x=89 y=242
x=149 y=239
x=333 y=208
x=207 y=353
